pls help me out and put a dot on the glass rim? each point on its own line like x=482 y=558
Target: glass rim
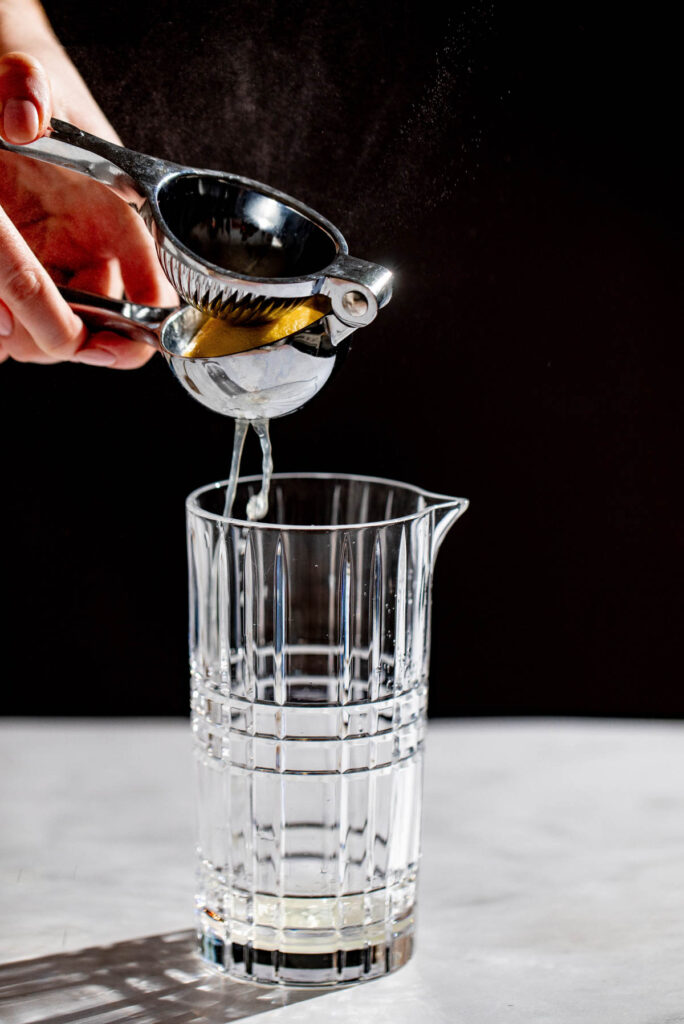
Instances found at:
x=435 y=500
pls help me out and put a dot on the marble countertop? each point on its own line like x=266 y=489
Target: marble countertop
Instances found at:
x=552 y=881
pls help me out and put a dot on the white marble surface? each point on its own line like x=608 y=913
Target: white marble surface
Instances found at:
x=552 y=884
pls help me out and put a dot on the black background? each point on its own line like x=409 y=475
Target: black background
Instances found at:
x=519 y=170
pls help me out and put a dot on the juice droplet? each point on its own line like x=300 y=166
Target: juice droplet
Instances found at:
x=257 y=506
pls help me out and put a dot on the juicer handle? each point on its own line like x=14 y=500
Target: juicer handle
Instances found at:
x=129 y=174
x=357 y=289
x=100 y=313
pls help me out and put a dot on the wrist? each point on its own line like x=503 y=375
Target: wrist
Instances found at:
x=24 y=26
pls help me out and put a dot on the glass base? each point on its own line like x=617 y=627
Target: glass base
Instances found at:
x=303 y=969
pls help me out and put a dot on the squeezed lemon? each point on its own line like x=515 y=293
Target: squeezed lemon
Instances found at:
x=219 y=338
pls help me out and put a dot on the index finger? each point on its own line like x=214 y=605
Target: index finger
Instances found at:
x=32 y=297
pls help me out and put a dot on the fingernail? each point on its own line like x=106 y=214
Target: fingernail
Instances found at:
x=94 y=357
x=20 y=121
x=6 y=321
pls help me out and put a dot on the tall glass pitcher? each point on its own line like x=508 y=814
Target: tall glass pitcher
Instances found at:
x=309 y=648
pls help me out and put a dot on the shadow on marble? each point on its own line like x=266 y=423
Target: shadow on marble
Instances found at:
x=154 y=980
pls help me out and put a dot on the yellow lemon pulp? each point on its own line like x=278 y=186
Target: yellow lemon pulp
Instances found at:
x=219 y=338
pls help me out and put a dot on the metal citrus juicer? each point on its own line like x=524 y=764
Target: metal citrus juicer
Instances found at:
x=236 y=250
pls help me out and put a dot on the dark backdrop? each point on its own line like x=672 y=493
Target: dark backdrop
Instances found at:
x=519 y=170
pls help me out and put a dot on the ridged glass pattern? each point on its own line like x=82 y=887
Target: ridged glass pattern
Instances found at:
x=309 y=656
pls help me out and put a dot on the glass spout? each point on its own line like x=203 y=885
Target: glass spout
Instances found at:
x=445 y=512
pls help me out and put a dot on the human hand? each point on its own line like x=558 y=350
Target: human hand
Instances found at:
x=58 y=226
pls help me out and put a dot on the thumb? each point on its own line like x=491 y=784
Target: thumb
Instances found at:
x=25 y=99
